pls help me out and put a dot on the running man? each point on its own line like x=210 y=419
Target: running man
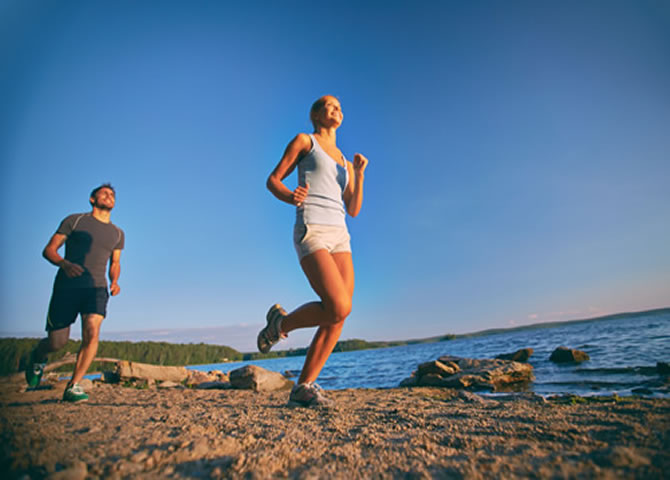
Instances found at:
x=327 y=183
x=80 y=287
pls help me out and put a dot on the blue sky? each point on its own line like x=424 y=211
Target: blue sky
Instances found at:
x=519 y=158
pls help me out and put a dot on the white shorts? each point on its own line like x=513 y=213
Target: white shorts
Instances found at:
x=307 y=239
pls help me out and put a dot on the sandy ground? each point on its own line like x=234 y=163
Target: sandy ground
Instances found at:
x=399 y=433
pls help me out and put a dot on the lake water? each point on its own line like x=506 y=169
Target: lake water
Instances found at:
x=624 y=352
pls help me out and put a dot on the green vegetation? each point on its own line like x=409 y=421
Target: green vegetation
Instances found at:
x=341 y=346
x=14 y=353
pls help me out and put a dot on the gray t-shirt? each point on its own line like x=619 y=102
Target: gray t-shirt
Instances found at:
x=89 y=243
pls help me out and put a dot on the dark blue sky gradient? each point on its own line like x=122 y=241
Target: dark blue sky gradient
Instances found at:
x=519 y=156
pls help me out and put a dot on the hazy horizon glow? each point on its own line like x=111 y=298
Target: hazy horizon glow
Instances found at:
x=518 y=157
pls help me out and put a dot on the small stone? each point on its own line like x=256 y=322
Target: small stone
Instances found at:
x=200 y=447
x=258 y=379
x=77 y=471
x=621 y=457
x=86 y=384
x=518 y=356
x=568 y=355
x=472 y=398
x=111 y=377
x=196 y=377
x=139 y=457
x=168 y=384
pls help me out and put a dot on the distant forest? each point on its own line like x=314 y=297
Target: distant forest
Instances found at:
x=14 y=352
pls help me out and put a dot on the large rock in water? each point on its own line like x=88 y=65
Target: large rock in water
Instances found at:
x=252 y=377
x=518 y=356
x=471 y=374
x=568 y=355
x=125 y=369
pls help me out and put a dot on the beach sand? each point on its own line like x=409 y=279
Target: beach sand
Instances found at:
x=126 y=432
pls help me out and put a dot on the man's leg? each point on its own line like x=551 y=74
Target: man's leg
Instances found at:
x=56 y=340
x=38 y=357
x=62 y=313
x=90 y=334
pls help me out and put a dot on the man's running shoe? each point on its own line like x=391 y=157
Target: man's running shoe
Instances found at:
x=74 y=393
x=308 y=395
x=34 y=372
x=271 y=333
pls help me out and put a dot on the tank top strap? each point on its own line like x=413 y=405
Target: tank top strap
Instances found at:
x=315 y=144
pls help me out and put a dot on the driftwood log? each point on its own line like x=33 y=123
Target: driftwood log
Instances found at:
x=66 y=360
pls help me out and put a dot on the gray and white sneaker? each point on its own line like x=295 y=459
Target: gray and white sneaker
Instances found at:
x=309 y=395
x=271 y=333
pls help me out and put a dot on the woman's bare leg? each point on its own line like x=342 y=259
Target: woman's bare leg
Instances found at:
x=332 y=278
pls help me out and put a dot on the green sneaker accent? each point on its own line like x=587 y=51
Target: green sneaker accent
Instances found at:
x=74 y=393
x=34 y=373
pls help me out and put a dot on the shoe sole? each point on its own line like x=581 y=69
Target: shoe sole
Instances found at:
x=75 y=401
x=293 y=404
x=274 y=307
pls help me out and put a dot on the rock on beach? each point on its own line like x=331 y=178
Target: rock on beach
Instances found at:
x=519 y=356
x=471 y=374
x=568 y=355
x=258 y=379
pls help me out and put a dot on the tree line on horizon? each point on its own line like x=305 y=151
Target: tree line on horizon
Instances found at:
x=14 y=352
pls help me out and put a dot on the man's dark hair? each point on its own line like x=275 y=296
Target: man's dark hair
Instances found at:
x=97 y=189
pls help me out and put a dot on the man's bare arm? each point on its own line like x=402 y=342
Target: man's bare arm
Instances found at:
x=50 y=252
x=114 y=272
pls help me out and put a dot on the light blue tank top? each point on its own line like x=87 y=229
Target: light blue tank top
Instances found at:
x=327 y=180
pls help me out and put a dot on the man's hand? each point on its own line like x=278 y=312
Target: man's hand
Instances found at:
x=360 y=162
x=299 y=195
x=72 y=270
x=114 y=289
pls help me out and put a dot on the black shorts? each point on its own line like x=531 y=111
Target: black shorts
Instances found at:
x=67 y=303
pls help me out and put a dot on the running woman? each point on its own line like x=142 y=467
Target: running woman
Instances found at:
x=327 y=184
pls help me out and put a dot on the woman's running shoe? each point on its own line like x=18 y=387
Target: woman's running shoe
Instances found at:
x=309 y=395
x=271 y=334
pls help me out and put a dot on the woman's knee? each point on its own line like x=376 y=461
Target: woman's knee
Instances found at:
x=338 y=310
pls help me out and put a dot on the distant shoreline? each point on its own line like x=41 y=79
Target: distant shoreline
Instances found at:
x=540 y=325
x=495 y=331
x=204 y=354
